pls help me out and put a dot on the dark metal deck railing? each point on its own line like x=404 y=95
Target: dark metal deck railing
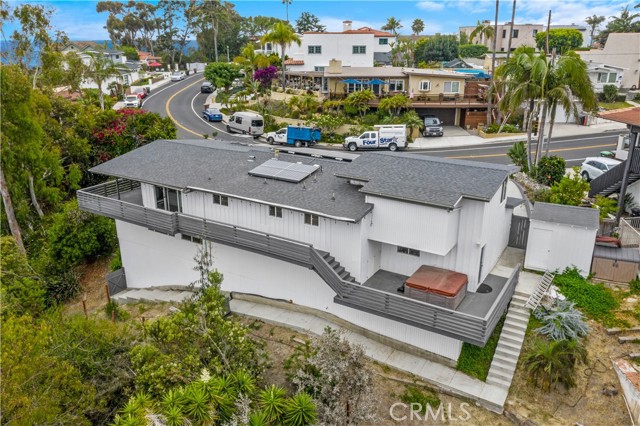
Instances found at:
x=610 y=182
x=456 y=324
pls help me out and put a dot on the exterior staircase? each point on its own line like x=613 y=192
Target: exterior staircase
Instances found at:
x=151 y=295
x=339 y=269
x=541 y=289
x=611 y=181
x=507 y=352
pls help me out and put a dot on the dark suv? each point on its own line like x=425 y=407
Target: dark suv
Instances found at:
x=432 y=126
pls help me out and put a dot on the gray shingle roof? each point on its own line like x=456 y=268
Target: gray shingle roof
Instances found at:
x=624 y=254
x=427 y=180
x=568 y=215
x=223 y=167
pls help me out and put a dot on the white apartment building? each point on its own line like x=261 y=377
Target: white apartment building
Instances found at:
x=330 y=235
x=362 y=47
x=622 y=51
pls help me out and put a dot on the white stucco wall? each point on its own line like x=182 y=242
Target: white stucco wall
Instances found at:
x=153 y=259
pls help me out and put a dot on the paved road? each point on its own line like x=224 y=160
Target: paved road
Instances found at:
x=574 y=149
x=182 y=101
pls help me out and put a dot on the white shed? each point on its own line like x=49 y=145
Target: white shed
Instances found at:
x=561 y=236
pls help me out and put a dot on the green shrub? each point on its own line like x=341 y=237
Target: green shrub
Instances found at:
x=113 y=310
x=634 y=286
x=569 y=190
x=475 y=360
x=76 y=235
x=605 y=205
x=550 y=170
x=550 y=363
x=636 y=98
x=518 y=154
x=507 y=128
x=609 y=93
x=425 y=399
x=472 y=50
x=561 y=321
x=595 y=300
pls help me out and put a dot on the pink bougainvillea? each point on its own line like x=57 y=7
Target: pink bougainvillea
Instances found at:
x=265 y=75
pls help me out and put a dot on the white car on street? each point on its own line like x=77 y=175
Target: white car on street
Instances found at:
x=132 y=101
x=592 y=167
x=178 y=76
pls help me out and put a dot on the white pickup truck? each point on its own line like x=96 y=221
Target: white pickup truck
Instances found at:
x=391 y=137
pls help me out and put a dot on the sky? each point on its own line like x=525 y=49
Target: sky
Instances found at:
x=81 y=22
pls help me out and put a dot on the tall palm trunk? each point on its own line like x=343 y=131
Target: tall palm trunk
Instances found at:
x=16 y=232
x=543 y=119
x=513 y=17
x=551 y=123
x=529 y=130
x=283 y=46
x=34 y=199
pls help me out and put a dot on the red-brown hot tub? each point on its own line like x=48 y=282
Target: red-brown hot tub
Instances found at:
x=436 y=285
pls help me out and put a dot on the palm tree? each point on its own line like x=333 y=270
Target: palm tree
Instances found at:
x=283 y=35
x=594 y=22
x=417 y=27
x=392 y=25
x=99 y=69
x=484 y=30
x=552 y=363
x=253 y=60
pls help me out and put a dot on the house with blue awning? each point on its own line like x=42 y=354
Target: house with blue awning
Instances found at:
x=454 y=96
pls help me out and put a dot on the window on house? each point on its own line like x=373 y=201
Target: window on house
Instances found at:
x=325 y=85
x=223 y=200
x=168 y=199
x=504 y=33
x=451 y=86
x=351 y=87
x=275 y=211
x=535 y=32
x=425 y=85
x=311 y=219
x=315 y=50
x=359 y=50
x=612 y=77
x=383 y=41
x=409 y=251
x=191 y=238
x=117 y=56
x=318 y=69
x=516 y=33
x=503 y=194
x=396 y=85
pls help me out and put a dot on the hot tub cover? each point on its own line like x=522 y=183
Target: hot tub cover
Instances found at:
x=437 y=281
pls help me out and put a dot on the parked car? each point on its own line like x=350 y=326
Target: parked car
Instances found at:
x=246 y=122
x=178 y=76
x=207 y=87
x=212 y=114
x=432 y=126
x=141 y=91
x=132 y=101
x=592 y=167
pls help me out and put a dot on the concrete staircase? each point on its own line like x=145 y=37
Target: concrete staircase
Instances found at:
x=345 y=275
x=507 y=352
x=150 y=295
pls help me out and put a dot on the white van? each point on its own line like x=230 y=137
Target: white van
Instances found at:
x=392 y=137
x=246 y=123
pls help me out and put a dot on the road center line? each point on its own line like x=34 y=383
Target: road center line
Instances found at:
x=168 y=104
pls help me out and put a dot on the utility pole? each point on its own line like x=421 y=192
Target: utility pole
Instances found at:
x=513 y=18
x=546 y=44
x=493 y=66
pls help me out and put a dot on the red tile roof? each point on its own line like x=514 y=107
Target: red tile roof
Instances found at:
x=294 y=62
x=626 y=115
x=363 y=30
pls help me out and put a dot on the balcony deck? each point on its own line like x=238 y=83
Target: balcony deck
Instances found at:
x=473 y=321
x=476 y=304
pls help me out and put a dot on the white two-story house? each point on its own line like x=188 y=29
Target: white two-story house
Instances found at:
x=335 y=236
x=362 y=47
x=129 y=70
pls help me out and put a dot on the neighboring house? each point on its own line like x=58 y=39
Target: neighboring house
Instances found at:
x=148 y=58
x=623 y=51
x=582 y=29
x=523 y=35
x=336 y=237
x=602 y=75
x=362 y=47
x=130 y=69
x=501 y=58
x=444 y=93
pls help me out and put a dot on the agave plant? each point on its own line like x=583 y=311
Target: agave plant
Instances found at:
x=550 y=363
x=272 y=401
x=561 y=321
x=301 y=410
x=259 y=418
